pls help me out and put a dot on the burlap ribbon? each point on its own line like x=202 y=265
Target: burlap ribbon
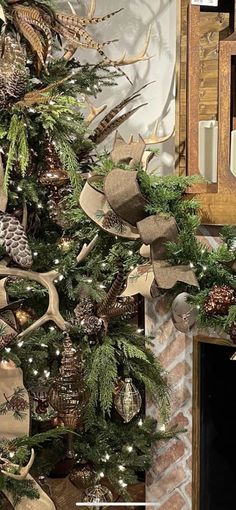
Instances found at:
x=125 y=198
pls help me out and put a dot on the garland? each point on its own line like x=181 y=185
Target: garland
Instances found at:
x=212 y=300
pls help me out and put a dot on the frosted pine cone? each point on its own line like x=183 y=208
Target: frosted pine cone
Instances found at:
x=14 y=240
x=220 y=298
x=14 y=74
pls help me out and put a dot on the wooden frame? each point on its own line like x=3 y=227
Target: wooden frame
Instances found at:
x=197 y=340
x=200 y=39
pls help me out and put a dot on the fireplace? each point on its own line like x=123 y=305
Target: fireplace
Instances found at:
x=214 y=425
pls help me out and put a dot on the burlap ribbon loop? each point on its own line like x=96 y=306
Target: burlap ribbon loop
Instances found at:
x=124 y=197
x=155 y=231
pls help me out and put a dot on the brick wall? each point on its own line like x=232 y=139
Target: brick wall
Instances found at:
x=169 y=481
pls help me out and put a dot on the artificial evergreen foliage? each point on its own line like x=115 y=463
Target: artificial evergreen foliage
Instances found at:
x=52 y=107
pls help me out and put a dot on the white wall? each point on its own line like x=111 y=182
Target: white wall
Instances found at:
x=130 y=28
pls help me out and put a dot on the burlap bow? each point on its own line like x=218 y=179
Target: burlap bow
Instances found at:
x=123 y=194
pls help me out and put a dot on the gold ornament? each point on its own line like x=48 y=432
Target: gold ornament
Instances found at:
x=65 y=244
x=97 y=494
x=81 y=476
x=67 y=393
x=127 y=400
x=24 y=316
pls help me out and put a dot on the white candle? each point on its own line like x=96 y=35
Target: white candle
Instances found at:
x=207 y=149
x=233 y=153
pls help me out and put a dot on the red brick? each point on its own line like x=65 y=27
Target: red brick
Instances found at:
x=175 y=502
x=169 y=457
x=172 y=351
x=169 y=482
x=178 y=372
x=180 y=420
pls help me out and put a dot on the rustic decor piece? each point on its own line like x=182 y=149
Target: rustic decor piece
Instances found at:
x=206 y=78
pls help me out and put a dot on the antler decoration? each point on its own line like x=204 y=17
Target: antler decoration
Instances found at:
x=24 y=471
x=140 y=57
x=37 y=24
x=47 y=280
x=94 y=112
x=152 y=140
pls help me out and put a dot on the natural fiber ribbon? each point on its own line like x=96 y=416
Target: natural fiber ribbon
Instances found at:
x=125 y=198
x=124 y=195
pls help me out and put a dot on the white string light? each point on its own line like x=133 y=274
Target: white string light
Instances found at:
x=122 y=483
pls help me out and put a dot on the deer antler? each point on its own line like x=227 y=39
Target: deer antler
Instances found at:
x=24 y=471
x=151 y=140
x=141 y=57
x=154 y=138
x=92 y=9
x=94 y=112
x=46 y=280
x=86 y=249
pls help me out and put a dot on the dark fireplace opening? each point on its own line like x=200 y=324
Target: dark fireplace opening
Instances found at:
x=218 y=428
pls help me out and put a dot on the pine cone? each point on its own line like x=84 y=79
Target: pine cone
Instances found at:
x=232 y=332
x=84 y=309
x=85 y=313
x=93 y=325
x=221 y=297
x=14 y=240
x=14 y=74
x=18 y=404
x=5 y=340
x=111 y=220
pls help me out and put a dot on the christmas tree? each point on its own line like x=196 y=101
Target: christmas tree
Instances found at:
x=66 y=320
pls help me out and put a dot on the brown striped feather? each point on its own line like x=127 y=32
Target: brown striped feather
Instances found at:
x=32 y=37
x=98 y=138
x=95 y=20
